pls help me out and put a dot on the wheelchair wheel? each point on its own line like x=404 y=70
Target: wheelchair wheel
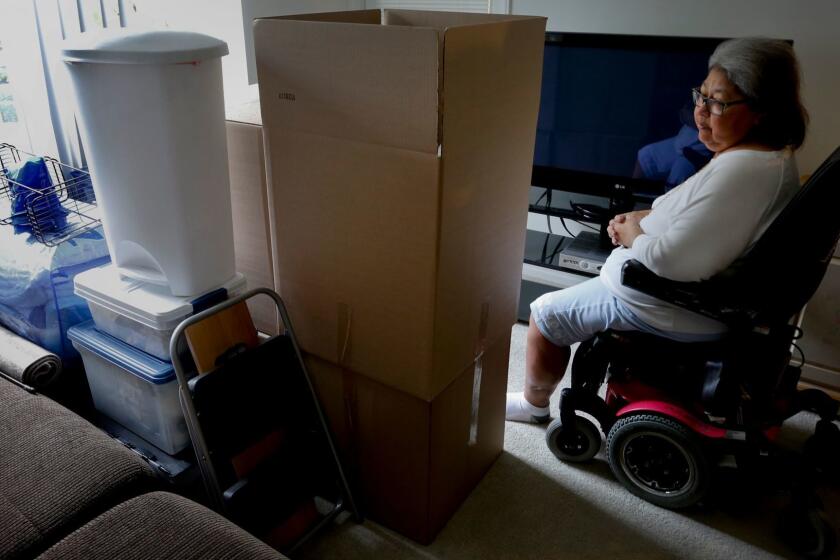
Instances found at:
x=659 y=460
x=575 y=445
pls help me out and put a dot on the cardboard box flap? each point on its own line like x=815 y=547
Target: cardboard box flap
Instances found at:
x=249 y=206
x=491 y=93
x=381 y=86
x=362 y=262
x=443 y=20
x=417 y=250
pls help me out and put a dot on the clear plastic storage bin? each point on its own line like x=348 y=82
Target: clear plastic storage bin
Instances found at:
x=141 y=314
x=133 y=388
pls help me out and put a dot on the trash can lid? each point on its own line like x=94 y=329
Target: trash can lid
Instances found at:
x=148 y=47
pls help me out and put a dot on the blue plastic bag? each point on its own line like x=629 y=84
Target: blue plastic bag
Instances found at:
x=46 y=207
x=37 y=300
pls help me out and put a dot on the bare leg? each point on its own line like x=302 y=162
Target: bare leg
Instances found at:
x=545 y=364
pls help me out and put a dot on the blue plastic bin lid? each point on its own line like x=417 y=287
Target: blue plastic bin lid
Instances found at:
x=120 y=354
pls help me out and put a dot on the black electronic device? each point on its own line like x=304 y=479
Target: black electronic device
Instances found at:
x=583 y=254
x=616 y=113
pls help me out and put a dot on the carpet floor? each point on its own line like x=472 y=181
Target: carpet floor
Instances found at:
x=531 y=506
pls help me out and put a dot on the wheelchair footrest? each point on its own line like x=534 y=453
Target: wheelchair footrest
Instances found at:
x=572 y=400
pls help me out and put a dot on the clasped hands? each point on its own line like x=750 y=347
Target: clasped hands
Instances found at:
x=625 y=228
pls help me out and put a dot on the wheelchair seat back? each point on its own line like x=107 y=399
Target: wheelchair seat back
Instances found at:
x=784 y=268
x=774 y=279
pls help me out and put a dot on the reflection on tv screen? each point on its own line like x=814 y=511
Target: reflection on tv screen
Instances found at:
x=622 y=111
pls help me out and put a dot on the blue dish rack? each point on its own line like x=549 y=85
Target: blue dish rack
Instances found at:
x=38 y=262
x=70 y=193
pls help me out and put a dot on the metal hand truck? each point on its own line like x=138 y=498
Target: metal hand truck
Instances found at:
x=258 y=395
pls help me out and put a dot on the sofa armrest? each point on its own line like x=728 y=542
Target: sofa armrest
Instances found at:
x=161 y=525
x=57 y=471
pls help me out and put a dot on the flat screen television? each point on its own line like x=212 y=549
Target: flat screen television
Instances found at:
x=617 y=110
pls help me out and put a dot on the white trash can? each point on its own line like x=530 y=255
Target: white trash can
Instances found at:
x=152 y=121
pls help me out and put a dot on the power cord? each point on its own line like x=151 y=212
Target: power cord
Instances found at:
x=584 y=224
x=577 y=208
x=797 y=334
x=589 y=212
x=801 y=353
x=546 y=258
x=547 y=195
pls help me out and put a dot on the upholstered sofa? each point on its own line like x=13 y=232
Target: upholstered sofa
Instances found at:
x=69 y=490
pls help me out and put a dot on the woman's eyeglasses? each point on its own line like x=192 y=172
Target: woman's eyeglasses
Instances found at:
x=714 y=106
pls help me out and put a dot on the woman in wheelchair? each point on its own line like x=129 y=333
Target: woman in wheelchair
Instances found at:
x=689 y=320
x=748 y=112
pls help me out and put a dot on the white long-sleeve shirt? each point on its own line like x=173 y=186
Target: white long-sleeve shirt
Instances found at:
x=699 y=228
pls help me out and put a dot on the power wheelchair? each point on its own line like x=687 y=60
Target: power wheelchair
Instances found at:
x=672 y=410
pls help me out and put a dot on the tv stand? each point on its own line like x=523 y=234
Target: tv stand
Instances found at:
x=567 y=242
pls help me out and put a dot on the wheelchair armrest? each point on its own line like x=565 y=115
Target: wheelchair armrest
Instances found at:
x=708 y=298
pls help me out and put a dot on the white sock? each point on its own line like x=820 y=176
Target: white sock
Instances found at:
x=518 y=409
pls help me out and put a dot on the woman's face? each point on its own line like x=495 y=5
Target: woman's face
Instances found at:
x=722 y=132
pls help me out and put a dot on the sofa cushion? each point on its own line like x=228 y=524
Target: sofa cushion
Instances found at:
x=57 y=471
x=160 y=526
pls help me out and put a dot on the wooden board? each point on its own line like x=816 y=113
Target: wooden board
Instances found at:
x=227 y=331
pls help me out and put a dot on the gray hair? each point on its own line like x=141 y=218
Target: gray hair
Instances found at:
x=767 y=73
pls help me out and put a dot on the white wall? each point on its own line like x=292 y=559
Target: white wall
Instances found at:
x=814 y=27
x=219 y=18
x=252 y=9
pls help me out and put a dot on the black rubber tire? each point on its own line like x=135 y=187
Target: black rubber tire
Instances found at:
x=687 y=463
x=577 y=446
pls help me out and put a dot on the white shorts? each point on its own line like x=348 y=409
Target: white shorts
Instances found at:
x=577 y=313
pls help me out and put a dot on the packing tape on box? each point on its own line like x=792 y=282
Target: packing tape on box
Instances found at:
x=348 y=382
x=25 y=362
x=476 y=397
x=477 y=372
x=348 y=396
x=345 y=317
x=351 y=456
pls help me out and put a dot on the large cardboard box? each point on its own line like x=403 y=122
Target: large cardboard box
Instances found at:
x=412 y=462
x=249 y=206
x=401 y=146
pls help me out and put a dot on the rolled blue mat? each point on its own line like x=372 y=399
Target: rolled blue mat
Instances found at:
x=27 y=362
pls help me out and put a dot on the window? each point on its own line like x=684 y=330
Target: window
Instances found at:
x=12 y=127
x=8 y=113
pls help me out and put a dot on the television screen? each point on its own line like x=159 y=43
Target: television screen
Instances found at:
x=617 y=108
